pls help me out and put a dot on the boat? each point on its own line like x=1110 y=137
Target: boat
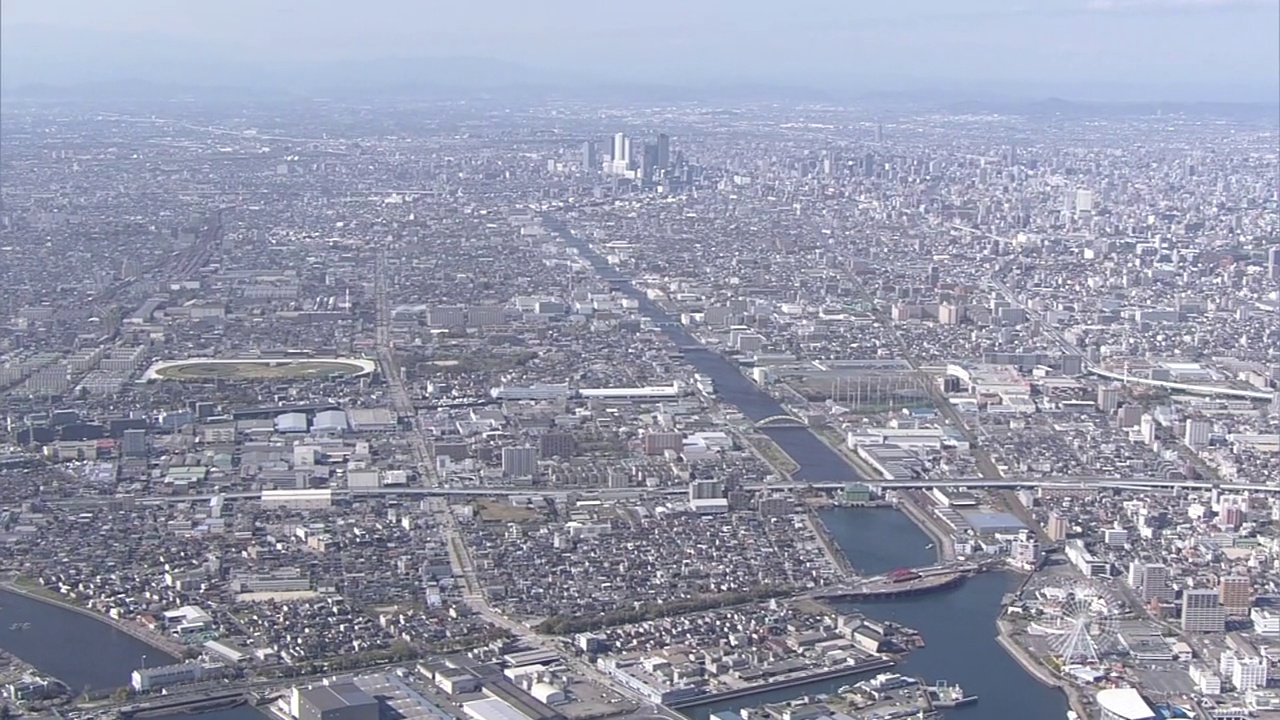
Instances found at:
x=944 y=696
x=929 y=546
x=1072 y=715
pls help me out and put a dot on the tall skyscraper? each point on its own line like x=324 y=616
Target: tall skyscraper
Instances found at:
x=1273 y=263
x=620 y=143
x=664 y=151
x=590 y=162
x=879 y=133
x=1201 y=612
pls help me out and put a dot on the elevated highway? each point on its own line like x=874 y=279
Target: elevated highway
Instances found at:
x=1065 y=483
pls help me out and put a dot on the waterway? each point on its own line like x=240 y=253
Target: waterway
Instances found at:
x=77 y=649
x=958 y=625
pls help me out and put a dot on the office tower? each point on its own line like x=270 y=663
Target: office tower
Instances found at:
x=1201 y=612
x=626 y=152
x=1273 y=263
x=1235 y=593
x=1108 y=398
x=1011 y=155
x=649 y=160
x=519 y=462
x=879 y=133
x=664 y=151
x=620 y=143
x=1084 y=201
x=134 y=443
x=869 y=165
x=590 y=162
x=1196 y=434
x=1058 y=528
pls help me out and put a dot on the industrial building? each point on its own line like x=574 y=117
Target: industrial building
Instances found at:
x=163 y=676
x=340 y=701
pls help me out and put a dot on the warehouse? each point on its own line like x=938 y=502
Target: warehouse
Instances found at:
x=492 y=709
x=340 y=701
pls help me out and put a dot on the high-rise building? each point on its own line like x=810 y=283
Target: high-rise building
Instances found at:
x=556 y=444
x=133 y=443
x=1201 y=612
x=519 y=462
x=1084 y=201
x=1151 y=581
x=1273 y=263
x=590 y=162
x=1108 y=398
x=1235 y=593
x=879 y=133
x=706 y=489
x=620 y=144
x=664 y=151
x=1058 y=528
x=1196 y=434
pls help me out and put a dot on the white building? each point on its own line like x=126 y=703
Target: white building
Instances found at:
x=1266 y=622
x=155 y=678
x=1206 y=680
x=1247 y=672
x=298 y=499
x=1196 y=435
x=1084 y=561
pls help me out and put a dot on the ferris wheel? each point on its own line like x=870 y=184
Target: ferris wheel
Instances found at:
x=1080 y=621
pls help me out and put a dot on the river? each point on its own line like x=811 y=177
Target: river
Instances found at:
x=958 y=625
x=77 y=649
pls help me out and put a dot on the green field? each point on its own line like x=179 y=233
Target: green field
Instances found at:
x=258 y=370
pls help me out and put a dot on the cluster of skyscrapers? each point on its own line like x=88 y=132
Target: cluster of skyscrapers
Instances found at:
x=651 y=162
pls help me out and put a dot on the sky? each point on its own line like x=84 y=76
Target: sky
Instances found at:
x=1197 y=49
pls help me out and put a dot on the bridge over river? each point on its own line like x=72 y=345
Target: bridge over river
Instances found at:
x=901 y=582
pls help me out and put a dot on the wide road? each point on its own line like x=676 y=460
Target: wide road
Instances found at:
x=818 y=463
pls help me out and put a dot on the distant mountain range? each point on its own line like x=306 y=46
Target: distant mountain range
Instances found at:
x=39 y=62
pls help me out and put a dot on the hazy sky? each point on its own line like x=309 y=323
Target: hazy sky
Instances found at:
x=1202 y=44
